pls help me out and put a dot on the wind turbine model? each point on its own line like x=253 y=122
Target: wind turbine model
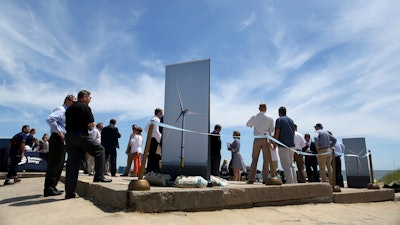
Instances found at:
x=182 y=114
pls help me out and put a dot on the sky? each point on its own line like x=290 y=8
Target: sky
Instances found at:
x=329 y=62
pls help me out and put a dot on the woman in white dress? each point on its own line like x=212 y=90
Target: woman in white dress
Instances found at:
x=136 y=149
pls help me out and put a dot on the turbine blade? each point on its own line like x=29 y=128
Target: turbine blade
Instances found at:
x=179 y=117
x=195 y=113
x=179 y=95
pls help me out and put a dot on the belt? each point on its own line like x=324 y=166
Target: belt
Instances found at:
x=77 y=132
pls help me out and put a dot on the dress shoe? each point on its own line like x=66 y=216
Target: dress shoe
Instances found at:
x=61 y=191
x=102 y=179
x=16 y=180
x=70 y=195
x=50 y=192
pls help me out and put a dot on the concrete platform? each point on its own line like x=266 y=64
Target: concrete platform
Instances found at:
x=116 y=197
x=236 y=195
x=351 y=195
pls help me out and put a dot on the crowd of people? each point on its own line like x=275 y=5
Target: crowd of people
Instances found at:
x=87 y=145
x=93 y=147
x=313 y=158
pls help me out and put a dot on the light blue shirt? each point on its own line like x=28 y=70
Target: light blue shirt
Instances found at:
x=339 y=149
x=56 y=120
x=323 y=139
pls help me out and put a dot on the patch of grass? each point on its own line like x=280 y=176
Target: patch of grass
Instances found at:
x=393 y=177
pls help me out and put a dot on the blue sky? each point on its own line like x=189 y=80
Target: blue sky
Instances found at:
x=329 y=62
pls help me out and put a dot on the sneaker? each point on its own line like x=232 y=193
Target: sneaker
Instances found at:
x=7 y=182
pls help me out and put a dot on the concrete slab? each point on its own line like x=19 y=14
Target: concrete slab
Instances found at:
x=116 y=197
x=350 y=195
x=235 y=195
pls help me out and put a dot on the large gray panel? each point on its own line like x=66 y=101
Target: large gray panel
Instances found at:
x=187 y=85
x=357 y=168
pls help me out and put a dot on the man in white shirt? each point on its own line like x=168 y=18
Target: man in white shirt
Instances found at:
x=153 y=162
x=95 y=134
x=263 y=124
x=299 y=144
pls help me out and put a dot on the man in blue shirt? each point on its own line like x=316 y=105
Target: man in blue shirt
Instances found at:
x=17 y=149
x=56 y=156
x=284 y=132
x=324 y=141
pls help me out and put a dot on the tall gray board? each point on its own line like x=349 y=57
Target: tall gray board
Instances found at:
x=357 y=168
x=187 y=106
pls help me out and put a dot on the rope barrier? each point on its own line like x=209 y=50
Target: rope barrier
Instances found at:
x=257 y=136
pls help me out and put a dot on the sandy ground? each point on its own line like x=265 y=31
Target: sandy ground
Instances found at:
x=23 y=203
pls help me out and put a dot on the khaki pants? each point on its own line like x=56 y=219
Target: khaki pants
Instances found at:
x=324 y=161
x=300 y=167
x=258 y=144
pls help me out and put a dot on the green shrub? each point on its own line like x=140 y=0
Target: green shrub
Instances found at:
x=393 y=177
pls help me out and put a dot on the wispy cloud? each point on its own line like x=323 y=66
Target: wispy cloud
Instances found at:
x=244 y=24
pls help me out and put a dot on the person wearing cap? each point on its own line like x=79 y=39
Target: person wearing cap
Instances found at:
x=339 y=151
x=284 y=132
x=215 y=149
x=263 y=124
x=324 y=141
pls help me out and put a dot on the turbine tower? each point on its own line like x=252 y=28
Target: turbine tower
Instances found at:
x=182 y=114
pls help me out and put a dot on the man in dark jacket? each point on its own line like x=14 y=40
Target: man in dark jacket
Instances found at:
x=79 y=119
x=311 y=161
x=215 y=144
x=109 y=139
